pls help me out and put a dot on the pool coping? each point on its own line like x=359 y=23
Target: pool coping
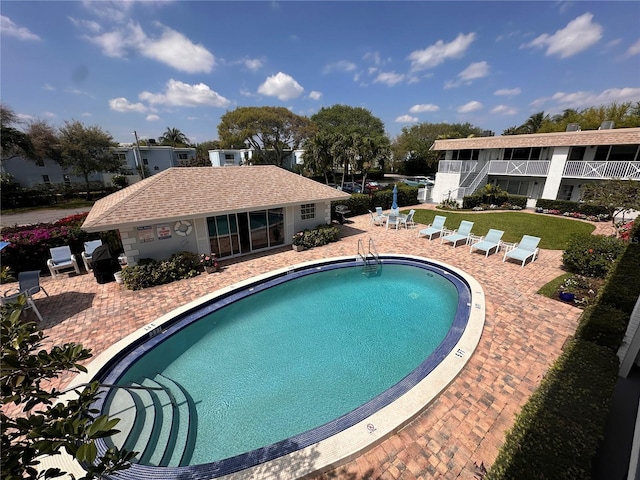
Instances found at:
x=352 y=441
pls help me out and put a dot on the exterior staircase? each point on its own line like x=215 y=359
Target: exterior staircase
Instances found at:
x=157 y=419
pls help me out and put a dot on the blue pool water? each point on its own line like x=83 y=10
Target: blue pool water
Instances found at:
x=296 y=356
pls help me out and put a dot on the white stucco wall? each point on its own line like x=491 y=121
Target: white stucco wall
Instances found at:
x=554 y=176
x=445 y=183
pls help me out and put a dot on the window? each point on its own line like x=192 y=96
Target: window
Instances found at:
x=623 y=153
x=67 y=179
x=308 y=211
x=602 y=152
x=39 y=162
x=577 y=153
x=229 y=156
x=46 y=180
x=182 y=156
x=465 y=155
x=145 y=161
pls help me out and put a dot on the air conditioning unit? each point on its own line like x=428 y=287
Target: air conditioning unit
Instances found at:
x=573 y=127
x=152 y=141
x=606 y=125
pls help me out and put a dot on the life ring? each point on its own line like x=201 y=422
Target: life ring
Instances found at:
x=182 y=228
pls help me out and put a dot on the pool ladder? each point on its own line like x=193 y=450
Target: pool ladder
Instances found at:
x=370 y=258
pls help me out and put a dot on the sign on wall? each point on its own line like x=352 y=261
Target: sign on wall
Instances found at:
x=163 y=231
x=145 y=234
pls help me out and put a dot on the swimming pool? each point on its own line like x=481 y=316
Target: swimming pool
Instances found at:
x=371 y=413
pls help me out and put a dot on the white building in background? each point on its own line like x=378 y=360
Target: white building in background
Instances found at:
x=235 y=157
x=551 y=166
x=155 y=158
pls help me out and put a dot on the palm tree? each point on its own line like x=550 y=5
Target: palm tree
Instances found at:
x=173 y=137
x=534 y=122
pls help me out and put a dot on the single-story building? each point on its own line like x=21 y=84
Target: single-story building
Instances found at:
x=228 y=211
x=552 y=166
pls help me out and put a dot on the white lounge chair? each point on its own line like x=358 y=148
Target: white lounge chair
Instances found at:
x=62 y=259
x=437 y=227
x=462 y=234
x=377 y=219
x=525 y=249
x=393 y=220
x=89 y=247
x=407 y=220
x=489 y=242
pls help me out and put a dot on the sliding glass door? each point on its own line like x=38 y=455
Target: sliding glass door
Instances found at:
x=244 y=232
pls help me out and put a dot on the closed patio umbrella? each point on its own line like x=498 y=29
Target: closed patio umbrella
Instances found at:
x=394 y=204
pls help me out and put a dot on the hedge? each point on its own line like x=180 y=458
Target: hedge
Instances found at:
x=360 y=203
x=560 y=427
x=592 y=255
x=149 y=273
x=567 y=206
x=502 y=200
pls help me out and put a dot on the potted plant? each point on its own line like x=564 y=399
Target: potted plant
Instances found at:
x=298 y=242
x=209 y=262
x=568 y=289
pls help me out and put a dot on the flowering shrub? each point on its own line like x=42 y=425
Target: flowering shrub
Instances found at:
x=592 y=255
x=624 y=230
x=208 y=260
x=149 y=273
x=584 y=289
x=317 y=237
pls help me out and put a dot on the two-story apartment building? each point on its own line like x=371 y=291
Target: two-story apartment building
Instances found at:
x=155 y=158
x=235 y=157
x=545 y=165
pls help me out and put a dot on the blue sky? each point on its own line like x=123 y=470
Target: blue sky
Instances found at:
x=146 y=66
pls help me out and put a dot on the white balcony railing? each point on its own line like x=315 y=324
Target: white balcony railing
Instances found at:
x=593 y=169
x=456 y=166
x=536 y=168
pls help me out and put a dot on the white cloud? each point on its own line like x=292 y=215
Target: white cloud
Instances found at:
x=440 y=51
x=49 y=115
x=121 y=104
x=114 y=11
x=374 y=57
x=86 y=114
x=90 y=25
x=252 y=64
x=389 y=78
x=48 y=87
x=473 y=71
x=634 y=49
x=179 y=52
x=406 y=119
x=470 y=107
x=424 y=107
x=341 y=66
x=508 y=92
x=578 y=35
x=179 y=94
x=314 y=95
x=152 y=118
x=282 y=86
x=7 y=27
x=171 y=48
x=606 y=97
x=504 y=110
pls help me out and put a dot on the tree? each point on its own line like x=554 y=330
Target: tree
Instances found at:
x=42 y=427
x=13 y=142
x=345 y=120
x=202 y=154
x=44 y=140
x=174 y=137
x=533 y=123
x=270 y=131
x=317 y=156
x=86 y=150
x=617 y=196
x=412 y=148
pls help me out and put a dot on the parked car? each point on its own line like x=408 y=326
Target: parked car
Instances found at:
x=419 y=181
x=352 y=187
x=371 y=187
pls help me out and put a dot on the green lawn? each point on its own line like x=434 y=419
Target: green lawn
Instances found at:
x=74 y=203
x=553 y=231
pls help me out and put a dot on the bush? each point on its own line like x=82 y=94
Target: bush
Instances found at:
x=566 y=206
x=150 y=273
x=592 y=255
x=622 y=288
x=604 y=325
x=560 y=427
x=321 y=235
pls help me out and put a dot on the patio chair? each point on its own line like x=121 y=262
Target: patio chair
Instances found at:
x=462 y=234
x=62 y=259
x=89 y=247
x=377 y=219
x=28 y=285
x=379 y=211
x=489 y=242
x=393 y=220
x=407 y=220
x=525 y=249
x=436 y=227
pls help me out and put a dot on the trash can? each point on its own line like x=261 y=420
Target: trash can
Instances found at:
x=104 y=264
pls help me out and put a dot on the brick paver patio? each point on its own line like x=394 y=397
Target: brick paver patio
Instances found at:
x=462 y=428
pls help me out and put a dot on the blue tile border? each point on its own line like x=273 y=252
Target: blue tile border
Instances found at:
x=115 y=368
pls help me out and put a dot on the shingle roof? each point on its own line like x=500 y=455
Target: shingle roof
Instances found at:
x=617 y=136
x=177 y=193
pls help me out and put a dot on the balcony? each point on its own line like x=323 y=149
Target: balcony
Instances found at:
x=602 y=170
x=529 y=168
